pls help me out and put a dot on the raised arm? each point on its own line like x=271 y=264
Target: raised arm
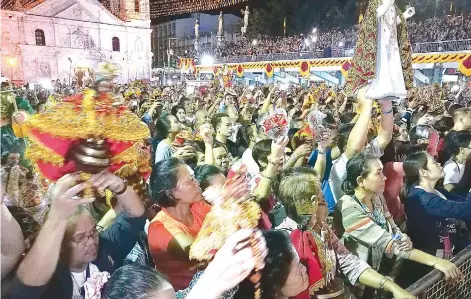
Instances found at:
x=13 y=243
x=267 y=102
x=387 y=124
x=437 y=206
x=358 y=136
x=262 y=191
x=40 y=263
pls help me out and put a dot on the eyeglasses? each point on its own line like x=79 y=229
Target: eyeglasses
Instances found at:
x=83 y=239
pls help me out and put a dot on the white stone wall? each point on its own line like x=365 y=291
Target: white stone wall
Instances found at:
x=75 y=37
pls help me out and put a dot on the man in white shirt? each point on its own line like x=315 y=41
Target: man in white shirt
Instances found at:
x=357 y=139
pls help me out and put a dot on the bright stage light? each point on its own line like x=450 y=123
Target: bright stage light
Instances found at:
x=11 y=61
x=45 y=83
x=254 y=42
x=190 y=90
x=207 y=60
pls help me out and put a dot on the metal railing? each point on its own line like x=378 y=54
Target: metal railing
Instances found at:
x=442 y=46
x=433 y=286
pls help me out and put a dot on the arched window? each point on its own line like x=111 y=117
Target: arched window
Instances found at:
x=115 y=42
x=39 y=36
x=137 y=7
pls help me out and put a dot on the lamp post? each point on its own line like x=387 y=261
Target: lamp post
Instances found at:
x=12 y=62
x=169 y=54
x=70 y=71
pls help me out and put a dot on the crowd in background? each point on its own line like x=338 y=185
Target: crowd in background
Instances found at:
x=446 y=28
x=361 y=181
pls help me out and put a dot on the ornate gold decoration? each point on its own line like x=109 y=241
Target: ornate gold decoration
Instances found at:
x=68 y=121
x=220 y=223
x=36 y=151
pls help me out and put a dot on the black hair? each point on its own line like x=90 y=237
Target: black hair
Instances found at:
x=291 y=133
x=216 y=119
x=453 y=107
x=329 y=121
x=277 y=267
x=183 y=100
x=175 y=109
x=163 y=126
x=163 y=180
x=204 y=173
x=261 y=151
x=344 y=133
x=444 y=125
x=198 y=145
x=357 y=166
x=134 y=281
x=412 y=165
x=347 y=118
x=460 y=140
x=28 y=225
x=243 y=137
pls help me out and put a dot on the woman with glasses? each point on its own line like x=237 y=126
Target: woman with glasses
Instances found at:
x=70 y=247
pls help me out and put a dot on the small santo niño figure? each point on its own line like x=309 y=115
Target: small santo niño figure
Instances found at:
x=382 y=56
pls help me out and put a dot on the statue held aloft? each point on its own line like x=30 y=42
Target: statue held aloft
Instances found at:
x=221 y=24
x=197 y=29
x=382 y=58
x=246 y=20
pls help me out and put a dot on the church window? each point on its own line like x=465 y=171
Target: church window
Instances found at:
x=40 y=38
x=116 y=47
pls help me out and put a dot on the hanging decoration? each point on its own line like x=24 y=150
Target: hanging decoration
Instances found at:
x=465 y=66
x=332 y=62
x=269 y=70
x=240 y=71
x=345 y=67
x=304 y=69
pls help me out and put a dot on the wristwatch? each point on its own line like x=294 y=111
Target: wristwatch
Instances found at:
x=125 y=187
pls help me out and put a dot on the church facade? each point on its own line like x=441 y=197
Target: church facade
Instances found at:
x=67 y=39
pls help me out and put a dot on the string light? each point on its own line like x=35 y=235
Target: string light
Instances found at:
x=173 y=7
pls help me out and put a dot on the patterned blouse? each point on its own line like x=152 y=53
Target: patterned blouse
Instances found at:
x=364 y=232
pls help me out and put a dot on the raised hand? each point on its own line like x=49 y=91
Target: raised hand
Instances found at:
x=64 y=199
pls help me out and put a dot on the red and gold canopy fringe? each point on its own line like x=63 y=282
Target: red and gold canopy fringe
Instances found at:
x=53 y=133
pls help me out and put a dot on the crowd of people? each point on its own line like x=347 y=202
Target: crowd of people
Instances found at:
x=438 y=29
x=358 y=199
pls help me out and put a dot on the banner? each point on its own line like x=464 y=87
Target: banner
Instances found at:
x=240 y=71
x=345 y=67
x=465 y=66
x=304 y=69
x=269 y=70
